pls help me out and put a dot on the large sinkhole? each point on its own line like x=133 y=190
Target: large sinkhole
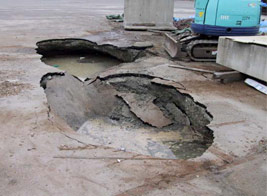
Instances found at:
x=139 y=113
x=84 y=58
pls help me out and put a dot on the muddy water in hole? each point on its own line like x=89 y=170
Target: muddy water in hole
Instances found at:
x=82 y=66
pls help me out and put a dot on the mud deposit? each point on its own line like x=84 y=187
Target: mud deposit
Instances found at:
x=82 y=65
x=132 y=112
x=12 y=88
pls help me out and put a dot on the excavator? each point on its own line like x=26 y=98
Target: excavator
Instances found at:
x=214 y=18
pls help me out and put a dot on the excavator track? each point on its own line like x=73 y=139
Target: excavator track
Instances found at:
x=189 y=46
x=202 y=50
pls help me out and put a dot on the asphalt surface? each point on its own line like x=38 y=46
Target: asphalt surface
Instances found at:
x=41 y=155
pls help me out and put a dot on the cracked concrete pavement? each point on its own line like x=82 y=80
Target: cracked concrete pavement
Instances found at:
x=41 y=155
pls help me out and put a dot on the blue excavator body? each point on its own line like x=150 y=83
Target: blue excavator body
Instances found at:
x=227 y=17
x=214 y=18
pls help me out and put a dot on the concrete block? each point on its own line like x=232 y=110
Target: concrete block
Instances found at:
x=148 y=14
x=247 y=55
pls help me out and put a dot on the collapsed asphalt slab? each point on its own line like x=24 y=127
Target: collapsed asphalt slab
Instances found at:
x=127 y=49
x=132 y=102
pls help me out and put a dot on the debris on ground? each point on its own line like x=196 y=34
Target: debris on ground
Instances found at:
x=183 y=23
x=191 y=69
x=228 y=76
x=262 y=148
x=178 y=32
x=116 y=18
x=146 y=110
x=260 y=87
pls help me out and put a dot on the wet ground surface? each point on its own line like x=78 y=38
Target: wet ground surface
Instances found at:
x=41 y=155
x=82 y=66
